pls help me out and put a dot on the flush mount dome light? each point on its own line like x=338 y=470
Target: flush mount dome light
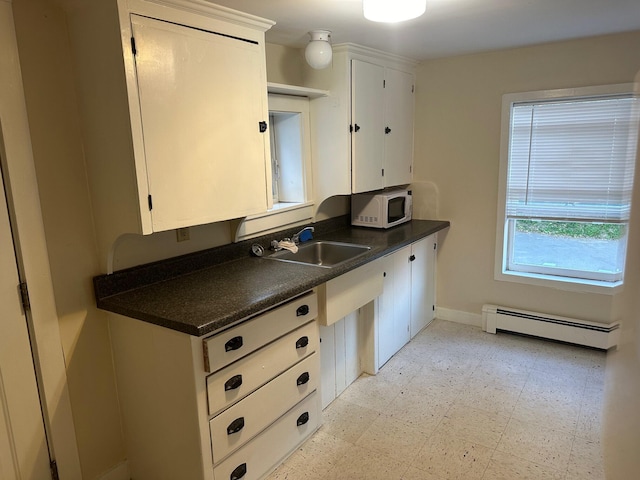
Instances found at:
x=391 y=11
x=318 y=52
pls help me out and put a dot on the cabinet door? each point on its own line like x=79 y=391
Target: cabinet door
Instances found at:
x=422 y=283
x=367 y=138
x=202 y=96
x=398 y=115
x=394 y=307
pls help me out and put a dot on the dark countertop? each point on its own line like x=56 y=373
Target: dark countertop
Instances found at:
x=203 y=292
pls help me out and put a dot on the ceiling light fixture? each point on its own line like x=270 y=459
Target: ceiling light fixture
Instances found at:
x=318 y=52
x=391 y=11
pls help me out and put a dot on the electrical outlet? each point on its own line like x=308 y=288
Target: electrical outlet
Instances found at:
x=182 y=234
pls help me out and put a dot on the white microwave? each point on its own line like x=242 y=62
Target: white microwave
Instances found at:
x=384 y=209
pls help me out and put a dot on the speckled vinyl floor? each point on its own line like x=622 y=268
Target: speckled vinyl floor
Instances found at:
x=458 y=403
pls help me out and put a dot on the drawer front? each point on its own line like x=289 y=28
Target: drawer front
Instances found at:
x=241 y=378
x=233 y=344
x=268 y=449
x=240 y=423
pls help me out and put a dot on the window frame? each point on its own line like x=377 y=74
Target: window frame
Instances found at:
x=502 y=228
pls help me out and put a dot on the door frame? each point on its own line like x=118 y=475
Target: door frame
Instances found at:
x=31 y=250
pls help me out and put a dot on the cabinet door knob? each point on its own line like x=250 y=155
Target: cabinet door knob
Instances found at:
x=302 y=419
x=412 y=258
x=234 y=344
x=302 y=379
x=262 y=126
x=235 y=426
x=356 y=127
x=239 y=472
x=233 y=383
x=387 y=130
x=302 y=342
x=302 y=310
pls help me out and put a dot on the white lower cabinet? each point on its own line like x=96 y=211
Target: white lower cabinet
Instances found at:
x=407 y=303
x=274 y=444
x=423 y=283
x=394 y=305
x=229 y=406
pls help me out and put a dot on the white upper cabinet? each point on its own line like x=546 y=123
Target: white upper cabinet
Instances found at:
x=362 y=135
x=367 y=127
x=173 y=97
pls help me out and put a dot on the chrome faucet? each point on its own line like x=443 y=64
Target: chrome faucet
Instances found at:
x=296 y=237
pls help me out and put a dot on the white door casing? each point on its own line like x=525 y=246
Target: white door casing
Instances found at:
x=23 y=446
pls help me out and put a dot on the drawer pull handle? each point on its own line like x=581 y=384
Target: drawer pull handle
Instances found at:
x=302 y=311
x=302 y=419
x=239 y=472
x=234 y=344
x=302 y=379
x=302 y=342
x=233 y=383
x=235 y=426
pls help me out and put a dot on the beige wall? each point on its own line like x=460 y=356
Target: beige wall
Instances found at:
x=57 y=150
x=457 y=147
x=621 y=435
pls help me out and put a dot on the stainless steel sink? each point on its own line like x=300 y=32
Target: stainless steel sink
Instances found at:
x=321 y=253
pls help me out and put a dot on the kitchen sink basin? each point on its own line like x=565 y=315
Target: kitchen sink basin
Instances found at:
x=321 y=253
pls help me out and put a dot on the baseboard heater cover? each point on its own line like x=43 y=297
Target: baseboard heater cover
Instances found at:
x=580 y=332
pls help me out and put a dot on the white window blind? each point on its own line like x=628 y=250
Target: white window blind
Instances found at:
x=573 y=159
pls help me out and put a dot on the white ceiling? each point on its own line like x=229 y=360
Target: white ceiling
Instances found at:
x=449 y=27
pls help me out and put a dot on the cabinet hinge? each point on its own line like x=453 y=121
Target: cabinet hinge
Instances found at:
x=150 y=200
x=54 y=470
x=383 y=172
x=433 y=308
x=384 y=84
x=435 y=245
x=133 y=46
x=24 y=296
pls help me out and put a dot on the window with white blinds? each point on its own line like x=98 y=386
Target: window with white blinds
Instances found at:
x=572 y=159
x=567 y=175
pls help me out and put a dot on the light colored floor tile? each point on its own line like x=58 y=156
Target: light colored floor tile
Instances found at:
x=453 y=458
x=393 y=438
x=585 y=461
x=494 y=397
x=439 y=406
x=316 y=457
x=589 y=424
x=363 y=464
x=503 y=466
x=421 y=409
x=346 y=420
x=399 y=370
x=562 y=415
x=372 y=392
x=474 y=425
x=537 y=443
x=416 y=474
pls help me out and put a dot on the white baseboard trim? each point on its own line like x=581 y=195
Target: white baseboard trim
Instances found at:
x=458 y=316
x=119 y=472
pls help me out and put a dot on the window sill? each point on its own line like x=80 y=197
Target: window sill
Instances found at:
x=282 y=215
x=561 y=283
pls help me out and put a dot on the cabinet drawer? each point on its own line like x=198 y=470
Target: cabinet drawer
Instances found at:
x=233 y=344
x=268 y=449
x=239 y=379
x=238 y=424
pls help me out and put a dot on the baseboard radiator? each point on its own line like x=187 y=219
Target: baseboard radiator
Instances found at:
x=580 y=332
